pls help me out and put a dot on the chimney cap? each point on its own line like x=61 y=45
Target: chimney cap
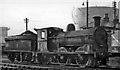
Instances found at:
x=96 y=17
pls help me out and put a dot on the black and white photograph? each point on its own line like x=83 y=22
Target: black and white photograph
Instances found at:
x=59 y=34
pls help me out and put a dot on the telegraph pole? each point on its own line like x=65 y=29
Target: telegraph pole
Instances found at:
x=87 y=14
x=114 y=8
x=26 y=21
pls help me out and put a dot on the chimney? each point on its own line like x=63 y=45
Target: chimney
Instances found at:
x=106 y=18
x=96 y=21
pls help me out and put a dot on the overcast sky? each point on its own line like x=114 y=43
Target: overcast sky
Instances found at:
x=41 y=13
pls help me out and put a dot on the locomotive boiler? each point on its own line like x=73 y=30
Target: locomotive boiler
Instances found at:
x=52 y=45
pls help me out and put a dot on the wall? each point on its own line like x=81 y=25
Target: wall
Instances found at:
x=3 y=35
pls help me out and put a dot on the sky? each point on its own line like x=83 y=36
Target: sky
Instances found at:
x=41 y=13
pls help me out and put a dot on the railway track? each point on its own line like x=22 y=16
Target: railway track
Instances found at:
x=7 y=65
x=22 y=66
x=14 y=66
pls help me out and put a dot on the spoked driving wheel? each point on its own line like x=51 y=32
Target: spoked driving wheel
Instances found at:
x=62 y=60
x=83 y=60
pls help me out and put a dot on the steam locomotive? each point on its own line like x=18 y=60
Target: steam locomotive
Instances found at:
x=86 y=47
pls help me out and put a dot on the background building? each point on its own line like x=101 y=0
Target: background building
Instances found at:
x=3 y=35
x=116 y=36
x=119 y=22
x=79 y=15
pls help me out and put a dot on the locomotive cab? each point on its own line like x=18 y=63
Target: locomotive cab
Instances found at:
x=45 y=36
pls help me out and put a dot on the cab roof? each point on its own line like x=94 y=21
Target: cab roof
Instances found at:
x=47 y=28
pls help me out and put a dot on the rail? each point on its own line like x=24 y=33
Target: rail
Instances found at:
x=13 y=66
